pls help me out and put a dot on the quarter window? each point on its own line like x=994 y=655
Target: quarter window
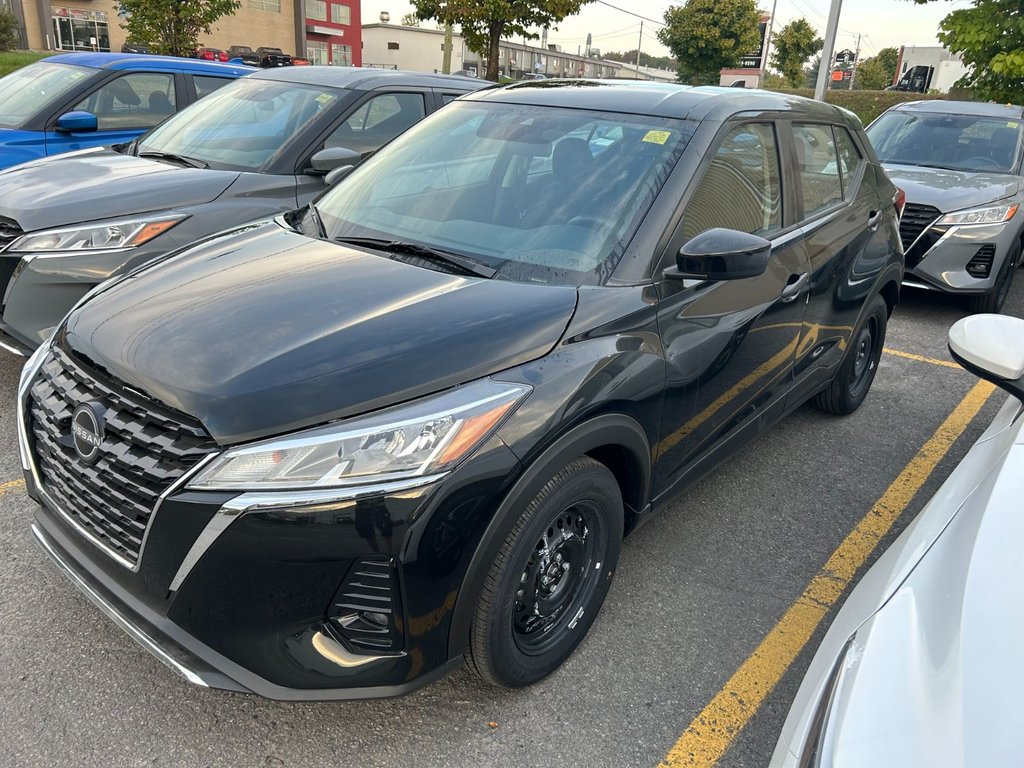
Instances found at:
x=207 y=85
x=818 y=167
x=136 y=100
x=849 y=159
x=740 y=189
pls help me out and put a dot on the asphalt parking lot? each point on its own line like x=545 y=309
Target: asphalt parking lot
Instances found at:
x=698 y=589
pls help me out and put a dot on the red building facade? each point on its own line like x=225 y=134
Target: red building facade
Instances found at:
x=333 y=32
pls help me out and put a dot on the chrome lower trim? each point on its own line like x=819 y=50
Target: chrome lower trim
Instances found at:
x=291 y=500
x=915 y=284
x=336 y=653
x=114 y=615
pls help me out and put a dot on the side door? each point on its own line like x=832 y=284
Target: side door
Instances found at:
x=730 y=345
x=365 y=128
x=125 y=107
x=840 y=216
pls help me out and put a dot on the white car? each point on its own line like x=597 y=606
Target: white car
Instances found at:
x=922 y=665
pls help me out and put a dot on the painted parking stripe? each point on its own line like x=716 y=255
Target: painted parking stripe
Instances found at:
x=923 y=359
x=711 y=733
x=11 y=485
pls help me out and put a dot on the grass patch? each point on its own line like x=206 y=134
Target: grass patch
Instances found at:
x=12 y=60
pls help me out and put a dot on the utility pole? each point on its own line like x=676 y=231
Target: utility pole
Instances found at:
x=856 y=61
x=829 y=51
x=446 y=59
x=639 y=45
x=767 y=43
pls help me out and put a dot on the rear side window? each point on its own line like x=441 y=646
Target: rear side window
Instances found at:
x=818 y=166
x=849 y=160
x=135 y=100
x=378 y=121
x=207 y=85
x=740 y=190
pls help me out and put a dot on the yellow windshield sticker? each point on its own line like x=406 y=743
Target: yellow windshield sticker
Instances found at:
x=1012 y=125
x=657 y=137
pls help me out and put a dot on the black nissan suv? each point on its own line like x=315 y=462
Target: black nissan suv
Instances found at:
x=335 y=454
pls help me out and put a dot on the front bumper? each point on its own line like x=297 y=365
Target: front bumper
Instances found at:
x=939 y=258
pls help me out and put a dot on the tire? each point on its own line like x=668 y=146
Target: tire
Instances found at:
x=851 y=384
x=560 y=556
x=992 y=302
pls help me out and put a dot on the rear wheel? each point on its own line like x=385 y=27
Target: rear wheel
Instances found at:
x=550 y=578
x=993 y=301
x=850 y=386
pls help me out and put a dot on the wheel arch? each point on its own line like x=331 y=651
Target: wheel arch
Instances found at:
x=615 y=440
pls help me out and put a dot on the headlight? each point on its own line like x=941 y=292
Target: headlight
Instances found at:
x=97 y=236
x=996 y=214
x=421 y=438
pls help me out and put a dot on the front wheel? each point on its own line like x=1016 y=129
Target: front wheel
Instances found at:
x=850 y=386
x=550 y=578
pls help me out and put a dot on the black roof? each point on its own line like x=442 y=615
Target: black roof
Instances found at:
x=360 y=79
x=657 y=99
x=944 y=107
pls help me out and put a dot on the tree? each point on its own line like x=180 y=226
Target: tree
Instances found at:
x=410 y=20
x=646 y=59
x=794 y=44
x=811 y=72
x=706 y=36
x=485 y=22
x=989 y=36
x=8 y=29
x=872 y=75
x=172 y=27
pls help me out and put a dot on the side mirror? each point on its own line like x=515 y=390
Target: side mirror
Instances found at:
x=992 y=348
x=333 y=177
x=77 y=122
x=327 y=160
x=724 y=254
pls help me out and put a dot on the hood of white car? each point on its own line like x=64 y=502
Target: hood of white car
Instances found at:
x=935 y=677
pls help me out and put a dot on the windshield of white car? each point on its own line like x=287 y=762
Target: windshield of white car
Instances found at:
x=954 y=142
x=26 y=91
x=541 y=194
x=242 y=126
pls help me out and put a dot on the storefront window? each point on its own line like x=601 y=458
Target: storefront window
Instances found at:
x=316 y=52
x=341 y=55
x=78 y=30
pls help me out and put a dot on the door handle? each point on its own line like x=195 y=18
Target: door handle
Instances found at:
x=874 y=220
x=796 y=284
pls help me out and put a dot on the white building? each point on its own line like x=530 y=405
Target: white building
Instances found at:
x=945 y=67
x=421 y=49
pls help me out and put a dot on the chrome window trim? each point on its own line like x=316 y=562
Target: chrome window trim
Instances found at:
x=293 y=500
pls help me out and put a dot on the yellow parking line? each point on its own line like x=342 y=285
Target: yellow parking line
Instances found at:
x=11 y=485
x=712 y=732
x=922 y=358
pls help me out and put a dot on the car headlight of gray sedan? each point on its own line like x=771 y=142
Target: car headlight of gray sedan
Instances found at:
x=990 y=214
x=98 y=235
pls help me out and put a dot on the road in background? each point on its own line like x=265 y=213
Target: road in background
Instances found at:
x=697 y=590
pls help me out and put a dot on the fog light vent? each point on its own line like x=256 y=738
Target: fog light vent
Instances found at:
x=981 y=265
x=365 y=612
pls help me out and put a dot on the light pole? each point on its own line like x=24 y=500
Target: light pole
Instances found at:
x=828 y=52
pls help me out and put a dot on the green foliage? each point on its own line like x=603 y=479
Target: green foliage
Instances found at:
x=794 y=44
x=12 y=60
x=485 y=22
x=706 y=36
x=410 y=20
x=773 y=81
x=646 y=59
x=876 y=73
x=172 y=27
x=989 y=36
x=867 y=105
x=8 y=29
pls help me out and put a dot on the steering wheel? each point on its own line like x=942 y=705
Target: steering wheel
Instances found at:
x=588 y=221
x=991 y=163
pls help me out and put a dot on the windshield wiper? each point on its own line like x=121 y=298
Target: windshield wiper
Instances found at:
x=462 y=263
x=191 y=162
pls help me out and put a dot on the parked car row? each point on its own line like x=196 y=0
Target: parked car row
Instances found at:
x=421 y=369
x=263 y=57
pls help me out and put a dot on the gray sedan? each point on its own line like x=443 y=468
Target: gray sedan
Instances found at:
x=259 y=146
x=921 y=666
x=959 y=164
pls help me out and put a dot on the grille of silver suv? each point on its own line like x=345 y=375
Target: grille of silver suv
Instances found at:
x=145 y=448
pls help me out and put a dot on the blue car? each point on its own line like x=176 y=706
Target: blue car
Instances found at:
x=81 y=100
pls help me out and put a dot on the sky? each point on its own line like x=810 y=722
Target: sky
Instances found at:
x=882 y=23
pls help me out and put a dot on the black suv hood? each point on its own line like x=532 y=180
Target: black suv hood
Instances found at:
x=266 y=331
x=101 y=184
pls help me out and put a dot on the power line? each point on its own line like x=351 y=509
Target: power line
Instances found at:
x=631 y=13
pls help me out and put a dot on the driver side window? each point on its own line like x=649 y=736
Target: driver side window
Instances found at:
x=740 y=189
x=378 y=121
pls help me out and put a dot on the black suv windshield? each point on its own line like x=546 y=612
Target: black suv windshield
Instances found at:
x=542 y=194
x=242 y=126
x=26 y=91
x=957 y=142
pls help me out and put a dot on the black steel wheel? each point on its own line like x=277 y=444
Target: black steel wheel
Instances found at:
x=550 y=578
x=852 y=382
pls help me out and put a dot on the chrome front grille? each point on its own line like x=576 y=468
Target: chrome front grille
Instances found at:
x=146 y=447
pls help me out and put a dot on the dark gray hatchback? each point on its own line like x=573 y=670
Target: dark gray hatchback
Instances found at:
x=256 y=147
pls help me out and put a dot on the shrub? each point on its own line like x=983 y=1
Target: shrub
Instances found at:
x=8 y=29
x=867 y=105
